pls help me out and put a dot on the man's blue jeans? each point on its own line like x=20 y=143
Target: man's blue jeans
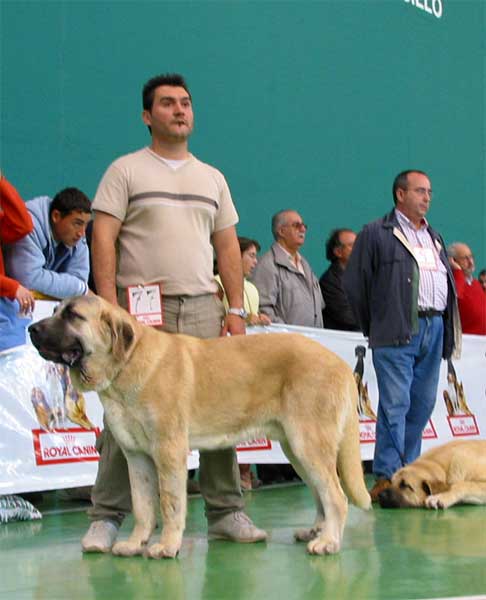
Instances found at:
x=407 y=383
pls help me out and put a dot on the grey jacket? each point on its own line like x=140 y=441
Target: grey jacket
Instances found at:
x=286 y=295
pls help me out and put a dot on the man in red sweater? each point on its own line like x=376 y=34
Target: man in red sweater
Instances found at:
x=472 y=299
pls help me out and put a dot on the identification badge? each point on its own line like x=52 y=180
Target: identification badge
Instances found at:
x=144 y=303
x=426 y=258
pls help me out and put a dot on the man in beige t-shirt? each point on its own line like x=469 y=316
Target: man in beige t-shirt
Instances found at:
x=159 y=213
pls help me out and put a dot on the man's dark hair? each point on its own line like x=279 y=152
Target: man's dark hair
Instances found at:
x=70 y=200
x=334 y=241
x=482 y=272
x=401 y=181
x=246 y=243
x=173 y=79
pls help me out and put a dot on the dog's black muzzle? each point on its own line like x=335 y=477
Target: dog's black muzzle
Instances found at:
x=52 y=343
x=390 y=498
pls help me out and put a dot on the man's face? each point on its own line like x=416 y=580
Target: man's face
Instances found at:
x=171 y=117
x=70 y=228
x=292 y=233
x=414 y=202
x=465 y=259
x=343 y=252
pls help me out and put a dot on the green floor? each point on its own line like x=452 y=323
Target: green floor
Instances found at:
x=386 y=554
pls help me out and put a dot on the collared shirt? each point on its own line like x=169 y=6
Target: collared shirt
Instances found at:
x=297 y=263
x=433 y=274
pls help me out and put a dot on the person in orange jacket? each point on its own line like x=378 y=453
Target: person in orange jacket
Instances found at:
x=16 y=302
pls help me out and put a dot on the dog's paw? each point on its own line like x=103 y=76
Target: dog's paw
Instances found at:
x=306 y=535
x=161 y=551
x=323 y=545
x=435 y=502
x=127 y=548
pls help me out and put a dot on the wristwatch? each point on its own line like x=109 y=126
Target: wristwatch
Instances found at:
x=239 y=312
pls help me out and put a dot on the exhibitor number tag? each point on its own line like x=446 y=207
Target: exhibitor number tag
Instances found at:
x=145 y=304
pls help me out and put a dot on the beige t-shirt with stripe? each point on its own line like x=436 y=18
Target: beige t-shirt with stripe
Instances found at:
x=168 y=217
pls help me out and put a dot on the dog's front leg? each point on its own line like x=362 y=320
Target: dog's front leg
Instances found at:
x=143 y=484
x=172 y=470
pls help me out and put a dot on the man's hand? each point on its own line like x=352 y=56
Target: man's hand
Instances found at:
x=264 y=319
x=234 y=325
x=455 y=265
x=259 y=319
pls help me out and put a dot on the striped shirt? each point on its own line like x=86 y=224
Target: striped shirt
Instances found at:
x=433 y=274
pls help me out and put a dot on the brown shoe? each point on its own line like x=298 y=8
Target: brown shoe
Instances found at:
x=380 y=485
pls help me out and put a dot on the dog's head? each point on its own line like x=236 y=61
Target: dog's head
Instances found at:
x=91 y=336
x=410 y=487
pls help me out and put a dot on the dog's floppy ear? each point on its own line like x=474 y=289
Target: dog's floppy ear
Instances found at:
x=434 y=487
x=122 y=335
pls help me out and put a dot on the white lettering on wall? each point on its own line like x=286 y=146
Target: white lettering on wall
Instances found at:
x=433 y=7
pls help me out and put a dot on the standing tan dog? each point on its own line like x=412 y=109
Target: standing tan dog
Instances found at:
x=454 y=473
x=164 y=394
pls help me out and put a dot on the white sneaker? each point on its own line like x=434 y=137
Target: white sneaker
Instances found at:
x=100 y=536
x=236 y=527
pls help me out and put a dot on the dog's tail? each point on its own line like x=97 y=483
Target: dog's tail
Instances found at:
x=349 y=456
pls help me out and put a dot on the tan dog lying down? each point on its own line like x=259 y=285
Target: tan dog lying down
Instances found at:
x=454 y=473
x=164 y=394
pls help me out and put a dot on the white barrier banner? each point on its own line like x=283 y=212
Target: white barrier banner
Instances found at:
x=460 y=410
x=48 y=431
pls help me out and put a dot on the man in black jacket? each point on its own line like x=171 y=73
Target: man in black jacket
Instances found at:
x=401 y=288
x=337 y=313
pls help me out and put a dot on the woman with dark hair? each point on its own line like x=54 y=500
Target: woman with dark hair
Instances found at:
x=249 y=249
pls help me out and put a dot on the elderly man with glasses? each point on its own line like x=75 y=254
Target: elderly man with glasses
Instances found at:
x=289 y=290
x=470 y=294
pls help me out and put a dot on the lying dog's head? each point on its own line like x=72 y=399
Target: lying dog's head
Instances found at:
x=410 y=487
x=90 y=336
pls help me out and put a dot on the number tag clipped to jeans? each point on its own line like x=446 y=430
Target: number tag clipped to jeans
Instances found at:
x=145 y=303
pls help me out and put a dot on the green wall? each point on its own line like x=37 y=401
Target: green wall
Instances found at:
x=310 y=105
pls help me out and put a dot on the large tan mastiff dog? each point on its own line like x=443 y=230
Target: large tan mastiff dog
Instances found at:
x=454 y=473
x=164 y=394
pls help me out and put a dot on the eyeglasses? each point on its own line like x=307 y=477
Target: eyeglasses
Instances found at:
x=423 y=191
x=298 y=225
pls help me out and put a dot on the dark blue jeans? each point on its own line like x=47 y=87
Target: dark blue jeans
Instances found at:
x=407 y=383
